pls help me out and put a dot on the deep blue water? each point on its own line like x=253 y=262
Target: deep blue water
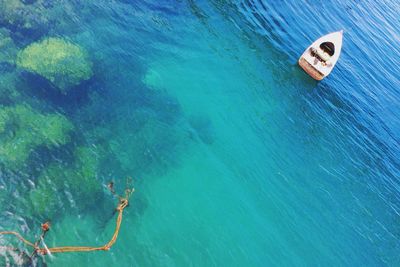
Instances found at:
x=238 y=157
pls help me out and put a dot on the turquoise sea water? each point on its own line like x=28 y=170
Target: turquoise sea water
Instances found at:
x=238 y=157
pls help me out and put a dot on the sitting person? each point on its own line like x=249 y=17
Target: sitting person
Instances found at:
x=323 y=55
x=320 y=56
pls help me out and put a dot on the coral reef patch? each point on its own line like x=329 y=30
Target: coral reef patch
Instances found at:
x=23 y=129
x=76 y=184
x=63 y=63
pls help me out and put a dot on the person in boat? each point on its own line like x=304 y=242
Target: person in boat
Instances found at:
x=314 y=54
x=321 y=56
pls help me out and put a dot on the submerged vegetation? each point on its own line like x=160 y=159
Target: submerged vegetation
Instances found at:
x=59 y=184
x=60 y=153
x=8 y=92
x=23 y=129
x=61 y=62
x=35 y=18
x=21 y=15
x=8 y=49
x=52 y=153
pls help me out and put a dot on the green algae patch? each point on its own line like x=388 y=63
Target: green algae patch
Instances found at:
x=61 y=62
x=22 y=129
x=60 y=185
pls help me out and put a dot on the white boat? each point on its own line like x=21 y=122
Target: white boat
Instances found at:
x=320 y=58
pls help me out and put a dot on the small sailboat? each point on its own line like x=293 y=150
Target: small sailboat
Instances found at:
x=321 y=56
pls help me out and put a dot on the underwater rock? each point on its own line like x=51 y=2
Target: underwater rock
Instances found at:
x=61 y=62
x=203 y=127
x=19 y=258
x=153 y=79
x=22 y=129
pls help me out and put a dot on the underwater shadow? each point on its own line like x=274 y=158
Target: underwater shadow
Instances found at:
x=40 y=88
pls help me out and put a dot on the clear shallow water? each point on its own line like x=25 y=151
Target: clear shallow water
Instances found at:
x=239 y=158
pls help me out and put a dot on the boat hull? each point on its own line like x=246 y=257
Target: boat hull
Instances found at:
x=310 y=70
x=317 y=63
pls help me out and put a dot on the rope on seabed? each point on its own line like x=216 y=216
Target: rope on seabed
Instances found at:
x=122 y=204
